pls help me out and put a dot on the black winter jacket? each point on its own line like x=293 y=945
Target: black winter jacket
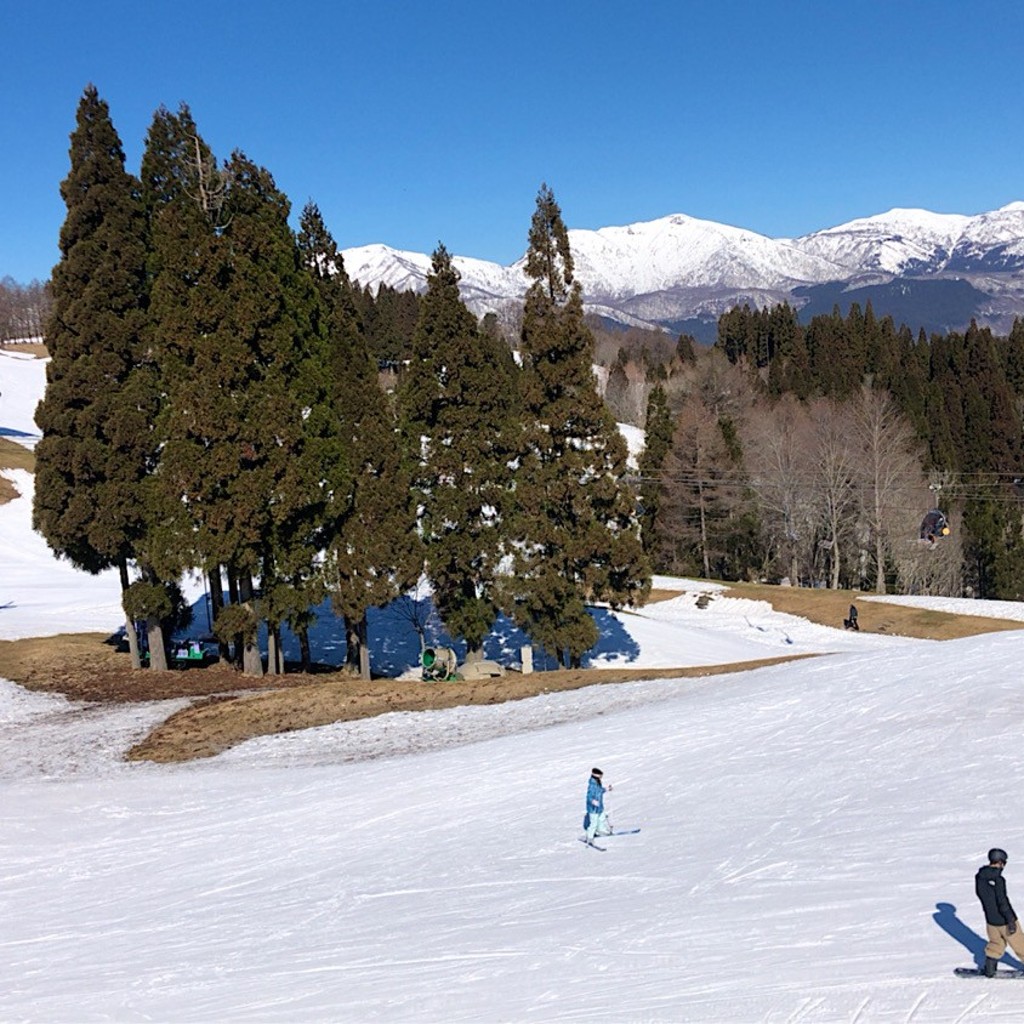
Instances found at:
x=991 y=889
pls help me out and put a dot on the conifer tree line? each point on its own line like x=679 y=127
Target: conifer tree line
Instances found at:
x=214 y=405
x=813 y=452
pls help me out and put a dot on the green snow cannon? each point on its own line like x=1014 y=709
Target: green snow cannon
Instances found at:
x=439 y=664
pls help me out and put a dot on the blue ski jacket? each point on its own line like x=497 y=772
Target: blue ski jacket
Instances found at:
x=595 y=797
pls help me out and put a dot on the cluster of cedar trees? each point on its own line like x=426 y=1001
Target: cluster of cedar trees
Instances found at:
x=213 y=405
x=814 y=452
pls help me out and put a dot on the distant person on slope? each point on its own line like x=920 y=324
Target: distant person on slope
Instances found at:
x=1000 y=917
x=595 y=821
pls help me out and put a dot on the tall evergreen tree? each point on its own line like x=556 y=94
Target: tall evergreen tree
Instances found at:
x=100 y=402
x=836 y=352
x=184 y=192
x=457 y=400
x=287 y=421
x=577 y=530
x=944 y=404
x=658 y=430
x=1013 y=358
x=992 y=424
x=789 y=370
x=248 y=441
x=373 y=552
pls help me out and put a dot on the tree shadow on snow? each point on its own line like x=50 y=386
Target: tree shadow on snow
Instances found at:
x=614 y=644
x=945 y=917
x=394 y=637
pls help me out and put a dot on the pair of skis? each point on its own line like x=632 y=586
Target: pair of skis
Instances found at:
x=614 y=832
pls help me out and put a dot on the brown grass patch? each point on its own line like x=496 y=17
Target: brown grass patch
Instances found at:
x=830 y=607
x=8 y=492
x=33 y=348
x=13 y=456
x=213 y=726
x=86 y=666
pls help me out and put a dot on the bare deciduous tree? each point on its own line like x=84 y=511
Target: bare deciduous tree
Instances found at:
x=778 y=441
x=889 y=475
x=23 y=309
x=834 y=471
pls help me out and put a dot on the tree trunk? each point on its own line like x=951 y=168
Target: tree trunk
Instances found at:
x=157 y=650
x=364 y=647
x=216 y=605
x=273 y=650
x=834 y=554
x=879 y=565
x=239 y=643
x=129 y=623
x=252 y=662
x=705 y=560
x=357 y=649
x=304 y=652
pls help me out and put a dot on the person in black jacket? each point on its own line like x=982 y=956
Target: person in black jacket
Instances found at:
x=1000 y=917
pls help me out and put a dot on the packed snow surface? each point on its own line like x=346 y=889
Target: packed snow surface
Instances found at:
x=810 y=832
x=22 y=382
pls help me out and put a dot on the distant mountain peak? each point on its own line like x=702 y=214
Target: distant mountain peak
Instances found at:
x=681 y=270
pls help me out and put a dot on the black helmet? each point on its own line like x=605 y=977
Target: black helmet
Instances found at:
x=995 y=855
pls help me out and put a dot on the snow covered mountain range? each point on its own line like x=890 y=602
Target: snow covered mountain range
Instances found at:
x=678 y=273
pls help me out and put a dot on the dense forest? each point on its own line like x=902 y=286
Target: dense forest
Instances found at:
x=223 y=399
x=815 y=452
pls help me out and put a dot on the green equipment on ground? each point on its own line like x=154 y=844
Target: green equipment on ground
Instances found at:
x=439 y=664
x=188 y=652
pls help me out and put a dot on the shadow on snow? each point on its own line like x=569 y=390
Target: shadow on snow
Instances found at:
x=394 y=637
x=945 y=917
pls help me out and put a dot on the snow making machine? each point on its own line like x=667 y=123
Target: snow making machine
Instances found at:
x=440 y=664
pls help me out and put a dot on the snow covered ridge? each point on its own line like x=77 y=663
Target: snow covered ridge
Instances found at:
x=678 y=267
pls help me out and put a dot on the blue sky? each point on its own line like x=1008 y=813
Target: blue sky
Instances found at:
x=413 y=123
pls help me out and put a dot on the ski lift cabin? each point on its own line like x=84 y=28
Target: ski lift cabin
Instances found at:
x=933 y=526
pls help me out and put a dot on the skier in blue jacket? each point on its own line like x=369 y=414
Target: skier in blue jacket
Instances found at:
x=595 y=820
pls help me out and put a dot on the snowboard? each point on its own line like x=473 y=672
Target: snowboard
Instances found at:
x=973 y=972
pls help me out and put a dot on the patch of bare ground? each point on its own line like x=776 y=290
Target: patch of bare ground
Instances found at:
x=88 y=666
x=13 y=456
x=230 y=708
x=212 y=726
x=33 y=348
x=8 y=492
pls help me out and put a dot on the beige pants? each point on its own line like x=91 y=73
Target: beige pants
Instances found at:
x=999 y=936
